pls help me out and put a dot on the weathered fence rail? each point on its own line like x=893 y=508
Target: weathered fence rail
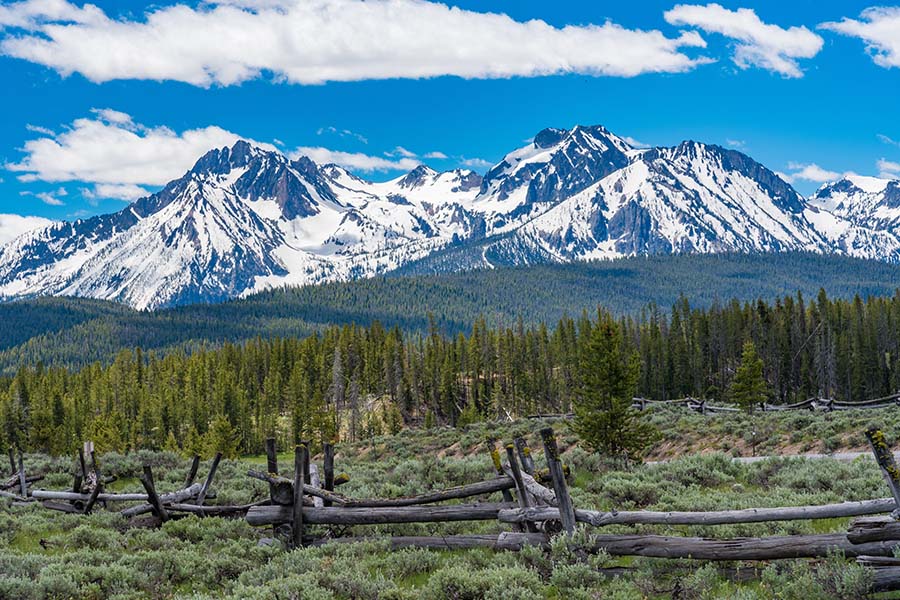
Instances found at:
x=305 y=509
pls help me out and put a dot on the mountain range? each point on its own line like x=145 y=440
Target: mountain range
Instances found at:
x=246 y=219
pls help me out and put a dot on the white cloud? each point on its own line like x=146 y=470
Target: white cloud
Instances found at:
x=342 y=133
x=403 y=152
x=41 y=130
x=809 y=172
x=888 y=169
x=116 y=191
x=736 y=143
x=476 y=163
x=316 y=41
x=354 y=160
x=49 y=198
x=758 y=44
x=888 y=140
x=879 y=28
x=12 y=226
x=437 y=155
x=633 y=142
x=110 y=148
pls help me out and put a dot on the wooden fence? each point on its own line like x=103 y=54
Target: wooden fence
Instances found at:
x=534 y=505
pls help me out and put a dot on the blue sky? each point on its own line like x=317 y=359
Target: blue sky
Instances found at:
x=102 y=103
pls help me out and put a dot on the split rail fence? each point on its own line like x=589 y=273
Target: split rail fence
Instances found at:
x=304 y=507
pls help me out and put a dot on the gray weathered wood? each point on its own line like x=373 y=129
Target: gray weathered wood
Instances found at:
x=82 y=465
x=214 y=511
x=315 y=483
x=505 y=541
x=886 y=579
x=720 y=517
x=525 y=458
x=873 y=529
x=23 y=481
x=767 y=548
x=98 y=486
x=498 y=465
x=271 y=464
x=301 y=457
x=192 y=473
x=566 y=509
x=522 y=492
x=328 y=468
x=177 y=496
x=204 y=491
x=885 y=459
x=171 y=498
x=14 y=481
x=270 y=515
x=9 y=495
x=61 y=506
x=462 y=491
x=152 y=497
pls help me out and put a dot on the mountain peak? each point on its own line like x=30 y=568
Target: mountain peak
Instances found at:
x=417 y=176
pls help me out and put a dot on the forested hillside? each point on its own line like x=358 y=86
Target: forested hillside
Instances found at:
x=352 y=381
x=74 y=332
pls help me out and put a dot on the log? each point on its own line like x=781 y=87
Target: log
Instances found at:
x=886 y=462
x=504 y=541
x=98 y=485
x=281 y=489
x=201 y=497
x=152 y=496
x=498 y=466
x=886 y=579
x=214 y=511
x=177 y=496
x=721 y=517
x=170 y=498
x=9 y=495
x=873 y=530
x=271 y=465
x=192 y=473
x=525 y=457
x=773 y=548
x=328 y=468
x=566 y=509
x=878 y=561
x=15 y=482
x=768 y=548
x=23 y=481
x=462 y=491
x=61 y=506
x=270 y=515
x=301 y=459
x=524 y=498
x=539 y=492
x=315 y=483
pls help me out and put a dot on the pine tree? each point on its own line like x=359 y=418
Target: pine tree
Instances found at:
x=749 y=388
x=603 y=415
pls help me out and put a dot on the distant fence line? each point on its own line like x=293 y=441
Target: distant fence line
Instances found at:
x=705 y=406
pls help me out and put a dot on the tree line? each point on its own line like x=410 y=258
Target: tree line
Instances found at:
x=352 y=382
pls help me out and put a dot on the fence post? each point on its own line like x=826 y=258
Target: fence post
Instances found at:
x=524 y=455
x=152 y=497
x=551 y=451
x=271 y=464
x=524 y=500
x=301 y=460
x=192 y=474
x=201 y=497
x=885 y=459
x=98 y=484
x=328 y=467
x=498 y=466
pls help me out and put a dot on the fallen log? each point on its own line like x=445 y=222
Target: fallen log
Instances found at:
x=505 y=541
x=170 y=498
x=272 y=515
x=886 y=579
x=767 y=548
x=873 y=530
x=61 y=506
x=545 y=495
x=462 y=491
x=214 y=511
x=14 y=481
x=722 y=517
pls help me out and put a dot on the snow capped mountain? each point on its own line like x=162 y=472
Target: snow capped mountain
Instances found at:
x=244 y=219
